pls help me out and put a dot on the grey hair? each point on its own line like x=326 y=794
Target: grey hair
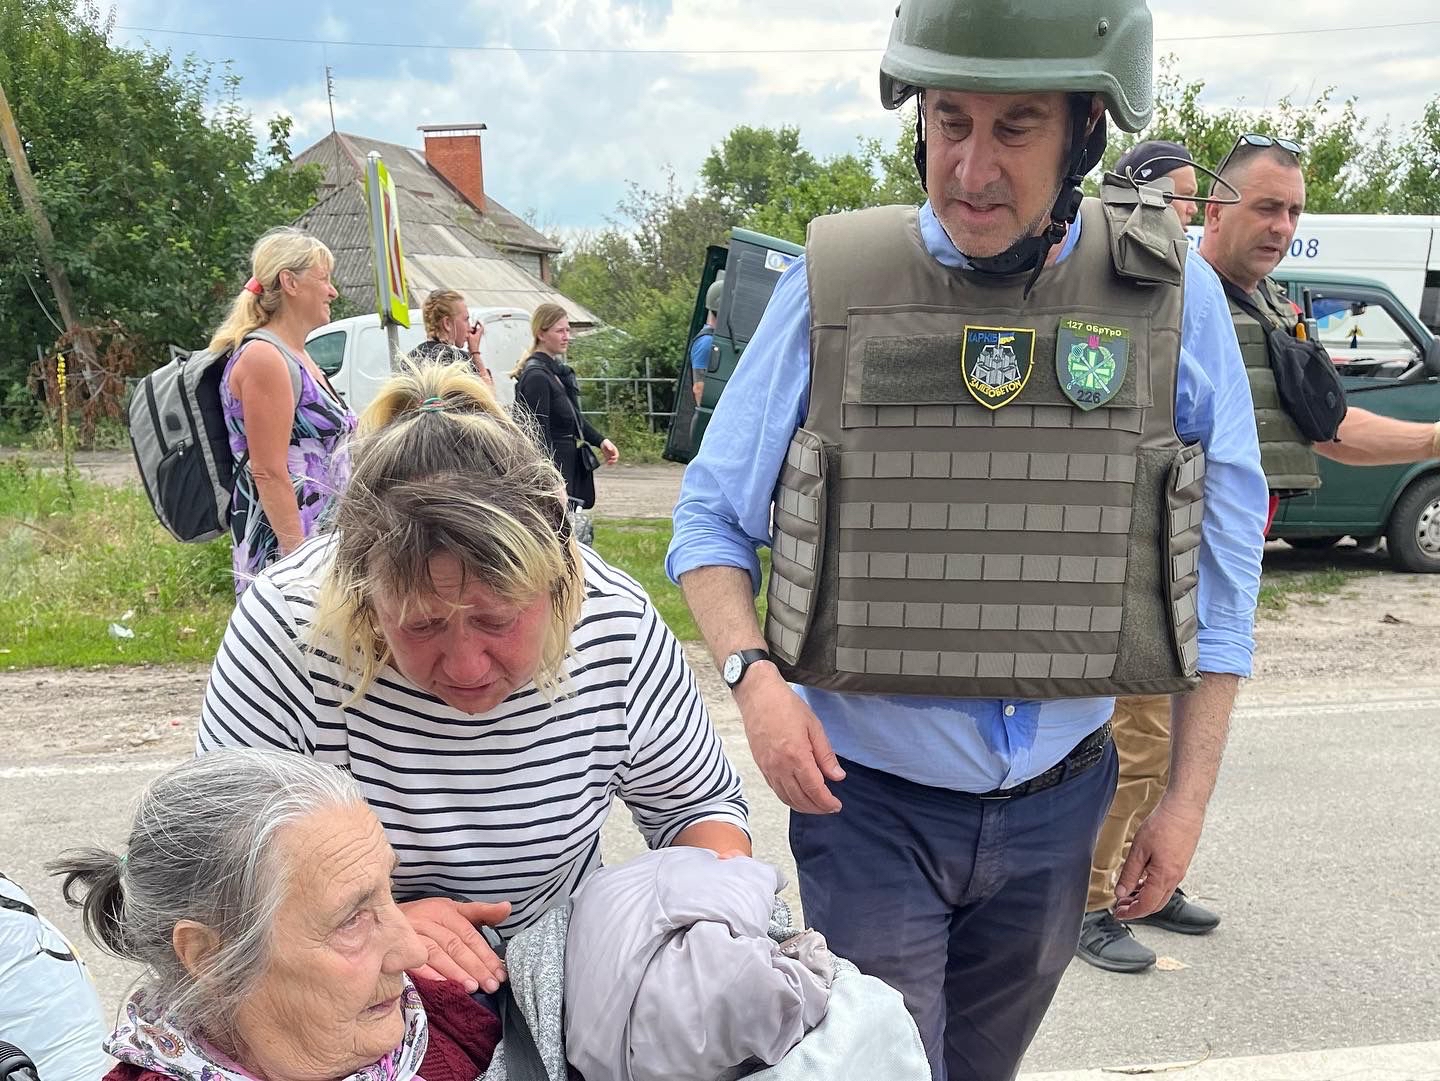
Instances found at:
x=202 y=848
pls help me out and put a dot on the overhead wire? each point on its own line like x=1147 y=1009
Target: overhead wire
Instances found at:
x=593 y=50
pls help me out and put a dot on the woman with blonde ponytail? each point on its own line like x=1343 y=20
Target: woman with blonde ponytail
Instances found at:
x=490 y=683
x=287 y=425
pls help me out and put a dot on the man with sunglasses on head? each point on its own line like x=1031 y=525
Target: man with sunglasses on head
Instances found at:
x=1244 y=242
x=1004 y=441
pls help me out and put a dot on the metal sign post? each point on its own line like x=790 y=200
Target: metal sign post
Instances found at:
x=392 y=297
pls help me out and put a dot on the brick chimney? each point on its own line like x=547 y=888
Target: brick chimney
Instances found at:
x=453 y=151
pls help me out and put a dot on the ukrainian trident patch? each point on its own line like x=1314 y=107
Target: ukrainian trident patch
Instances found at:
x=1090 y=361
x=996 y=363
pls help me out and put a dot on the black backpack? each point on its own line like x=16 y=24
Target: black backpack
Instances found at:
x=181 y=443
x=1305 y=377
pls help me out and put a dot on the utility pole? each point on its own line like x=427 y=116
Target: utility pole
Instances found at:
x=330 y=95
x=44 y=238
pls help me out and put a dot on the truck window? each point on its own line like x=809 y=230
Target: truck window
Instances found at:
x=328 y=352
x=754 y=271
x=1362 y=337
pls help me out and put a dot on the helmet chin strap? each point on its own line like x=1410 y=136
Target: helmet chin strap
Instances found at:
x=1028 y=254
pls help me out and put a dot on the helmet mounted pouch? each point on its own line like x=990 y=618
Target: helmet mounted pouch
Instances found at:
x=1146 y=239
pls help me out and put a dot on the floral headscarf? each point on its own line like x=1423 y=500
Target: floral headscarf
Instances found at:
x=149 y=1039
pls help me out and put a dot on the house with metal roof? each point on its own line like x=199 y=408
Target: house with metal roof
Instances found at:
x=454 y=235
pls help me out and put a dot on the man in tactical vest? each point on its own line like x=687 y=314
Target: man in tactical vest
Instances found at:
x=999 y=451
x=1140 y=724
x=702 y=343
x=1244 y=243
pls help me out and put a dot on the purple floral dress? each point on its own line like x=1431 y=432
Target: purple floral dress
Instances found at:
x=319 y=468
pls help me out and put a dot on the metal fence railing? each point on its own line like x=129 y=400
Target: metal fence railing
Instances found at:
x=626 y=393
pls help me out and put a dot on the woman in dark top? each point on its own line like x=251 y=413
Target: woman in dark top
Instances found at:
x=546 y=386
x=452 y=338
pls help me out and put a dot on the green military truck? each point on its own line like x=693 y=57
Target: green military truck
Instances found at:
x=752 y=264
x=1390 y=364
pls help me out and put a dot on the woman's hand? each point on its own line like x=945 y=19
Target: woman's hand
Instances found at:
x=457 y=951
x=609 y=451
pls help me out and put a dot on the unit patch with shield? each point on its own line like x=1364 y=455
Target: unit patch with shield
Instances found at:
x=1090 y=361
x=996 y=363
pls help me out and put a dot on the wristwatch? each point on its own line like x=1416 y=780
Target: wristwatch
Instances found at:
x=738 y=663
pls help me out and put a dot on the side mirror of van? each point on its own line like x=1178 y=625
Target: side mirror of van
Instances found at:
x=1431 y=360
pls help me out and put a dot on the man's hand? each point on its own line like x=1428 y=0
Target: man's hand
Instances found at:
x=1159 y=857
x=609 y=451
x=787 y=742
x=698 y=389
x=456 y=950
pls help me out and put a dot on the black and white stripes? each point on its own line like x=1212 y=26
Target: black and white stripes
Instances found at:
x=501 y=807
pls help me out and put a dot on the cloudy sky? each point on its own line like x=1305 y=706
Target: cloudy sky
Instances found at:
x=581 y=96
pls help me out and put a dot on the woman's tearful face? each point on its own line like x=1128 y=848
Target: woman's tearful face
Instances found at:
x=463 y=642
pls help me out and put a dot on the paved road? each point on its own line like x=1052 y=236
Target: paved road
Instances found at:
x=1320 y=852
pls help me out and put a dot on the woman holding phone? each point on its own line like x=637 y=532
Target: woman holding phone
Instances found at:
x=451 y=336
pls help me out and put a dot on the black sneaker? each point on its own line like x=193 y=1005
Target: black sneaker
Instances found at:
x=1182 y=915
x=1107 y=943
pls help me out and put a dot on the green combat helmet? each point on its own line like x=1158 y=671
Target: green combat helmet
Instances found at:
x=1081 y=47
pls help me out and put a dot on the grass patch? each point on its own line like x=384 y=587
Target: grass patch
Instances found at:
x=632 y=435
x=637 y=546
x=74 y=560
x=1281 y=588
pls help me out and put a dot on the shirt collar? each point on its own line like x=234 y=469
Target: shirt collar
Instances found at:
x=943 y=251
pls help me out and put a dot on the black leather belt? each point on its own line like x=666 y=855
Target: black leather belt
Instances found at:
x=1085 y=754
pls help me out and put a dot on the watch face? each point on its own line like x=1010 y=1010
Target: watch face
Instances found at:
x=733 y=666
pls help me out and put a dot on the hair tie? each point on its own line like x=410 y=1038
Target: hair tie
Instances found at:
x=254 y=286
x=124 y=861
x=432 y=405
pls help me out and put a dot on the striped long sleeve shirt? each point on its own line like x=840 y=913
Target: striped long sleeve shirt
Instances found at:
x=503 y=806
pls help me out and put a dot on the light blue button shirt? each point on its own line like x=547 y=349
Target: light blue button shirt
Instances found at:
x=977 y=744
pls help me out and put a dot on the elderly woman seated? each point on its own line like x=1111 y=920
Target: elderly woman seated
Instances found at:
x=255 y=888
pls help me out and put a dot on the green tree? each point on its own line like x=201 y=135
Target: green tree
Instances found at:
x=1349 y=169
x=149 y=172
x=641 y=274
x=843 y=182
x=1416 y=188
x=751 y=165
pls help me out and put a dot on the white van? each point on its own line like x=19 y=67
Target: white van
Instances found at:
x=1398 y=250
x=355 y=354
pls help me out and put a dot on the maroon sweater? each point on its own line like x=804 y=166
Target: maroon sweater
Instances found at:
x=463 y=1035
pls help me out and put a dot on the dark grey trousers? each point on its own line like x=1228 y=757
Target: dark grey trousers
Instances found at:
x=970 y=908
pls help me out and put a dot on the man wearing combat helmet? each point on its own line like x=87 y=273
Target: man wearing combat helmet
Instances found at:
x=966 y=569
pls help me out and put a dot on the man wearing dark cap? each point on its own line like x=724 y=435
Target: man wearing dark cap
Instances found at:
x=1141 y=723
x=1155 y=159
x=1244 y=242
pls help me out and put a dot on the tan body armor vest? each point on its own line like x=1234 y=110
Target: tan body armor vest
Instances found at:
x=928 y=541
x=1289 y=463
